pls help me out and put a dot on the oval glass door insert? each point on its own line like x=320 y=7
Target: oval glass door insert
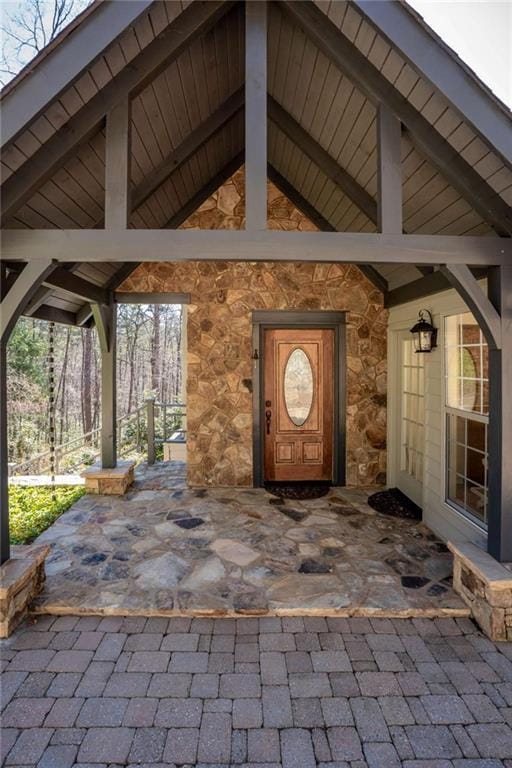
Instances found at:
x=298 y=387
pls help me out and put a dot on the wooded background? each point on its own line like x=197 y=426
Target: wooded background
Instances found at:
x=148 y=362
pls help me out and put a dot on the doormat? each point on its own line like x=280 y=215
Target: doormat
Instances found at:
x=299 y=490
x=394 y=503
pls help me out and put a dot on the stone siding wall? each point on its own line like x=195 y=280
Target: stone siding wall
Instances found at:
x=220 y=366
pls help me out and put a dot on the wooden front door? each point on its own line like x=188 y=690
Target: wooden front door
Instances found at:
x=298 y=404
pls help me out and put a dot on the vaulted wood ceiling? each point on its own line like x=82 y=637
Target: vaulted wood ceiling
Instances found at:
x=188 y=131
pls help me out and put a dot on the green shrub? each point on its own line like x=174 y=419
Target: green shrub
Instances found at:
x=32 y=509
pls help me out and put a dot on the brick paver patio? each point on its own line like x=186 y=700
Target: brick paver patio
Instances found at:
x=292 y=692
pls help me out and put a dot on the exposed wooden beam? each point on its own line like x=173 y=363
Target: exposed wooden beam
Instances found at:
x=188 y=147
x=194 y=21
x=431 y=57
x=229 y=245
x=255 y=115
x=55 y=315
x=84 y=314
x=117 y=165
x=65 y=62
x=20 y=293
x=205 y=192
x=432 y=282
x=6 y=283
x=445 y=159
x=319 y=221
x=499 y=510
x=322 y=159
x=127 y=297
x=389 y=171
x=461 y=278
x=66 y=281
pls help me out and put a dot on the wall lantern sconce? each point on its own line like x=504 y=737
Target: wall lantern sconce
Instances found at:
x=425 y=335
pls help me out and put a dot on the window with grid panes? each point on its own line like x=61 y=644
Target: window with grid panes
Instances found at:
x=467 y=409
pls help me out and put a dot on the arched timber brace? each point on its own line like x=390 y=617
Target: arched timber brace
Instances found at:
x=18 y=294
x=105 y=319
x=494 y=315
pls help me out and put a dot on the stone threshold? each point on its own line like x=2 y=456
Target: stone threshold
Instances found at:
x=356 y=612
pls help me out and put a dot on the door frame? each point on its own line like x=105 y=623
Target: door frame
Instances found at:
x=263 y=320
x=409 y=485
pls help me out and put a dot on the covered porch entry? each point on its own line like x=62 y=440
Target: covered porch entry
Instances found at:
x=394 y=186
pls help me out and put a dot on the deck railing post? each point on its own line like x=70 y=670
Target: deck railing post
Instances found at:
x=150 y=411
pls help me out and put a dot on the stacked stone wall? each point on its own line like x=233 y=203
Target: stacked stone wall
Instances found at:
x=220 y=368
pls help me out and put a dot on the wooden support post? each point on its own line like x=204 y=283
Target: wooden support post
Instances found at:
x=4 y=459
x=117 y=166
x=255 y=115
x=150 y=415
x=389 y=134
x=499 y=542
x=105 y=319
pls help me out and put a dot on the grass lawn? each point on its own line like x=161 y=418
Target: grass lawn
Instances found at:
x=33 y=509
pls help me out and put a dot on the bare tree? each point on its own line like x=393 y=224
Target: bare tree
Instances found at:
x=28 y=26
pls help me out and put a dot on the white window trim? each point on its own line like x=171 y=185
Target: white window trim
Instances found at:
x=450 y=503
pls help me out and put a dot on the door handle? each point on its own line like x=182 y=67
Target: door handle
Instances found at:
x=268 y=417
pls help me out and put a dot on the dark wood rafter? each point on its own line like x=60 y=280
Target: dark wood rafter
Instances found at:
x=84 y=314
x=431 y=283
x=20 y=293
x=443 y=157
x=319 y=221
x=189 y=146
x=205 y=192
x=430 y=57
x=68 y=282
x=228 y=245
x=64 y=64
x=389 y=171
x=55 y=315
x=194 y=21
x=255 y=115
x=128 y=297
x=322 y=159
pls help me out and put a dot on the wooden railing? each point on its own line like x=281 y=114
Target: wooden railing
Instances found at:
x=130 y=437
x=164 y=421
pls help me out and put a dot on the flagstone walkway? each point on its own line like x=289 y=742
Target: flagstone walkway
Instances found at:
x=292 y=692
x=232 y=551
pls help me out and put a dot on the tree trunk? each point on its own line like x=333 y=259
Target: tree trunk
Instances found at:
x=87 y=353
x=155 y=351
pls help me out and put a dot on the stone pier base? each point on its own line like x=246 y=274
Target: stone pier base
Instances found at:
x=486 y=587
x=114 y=481
x=21 y=580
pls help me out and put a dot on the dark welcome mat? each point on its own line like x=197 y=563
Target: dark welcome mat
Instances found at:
x=394 y=503
x=299 y=490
